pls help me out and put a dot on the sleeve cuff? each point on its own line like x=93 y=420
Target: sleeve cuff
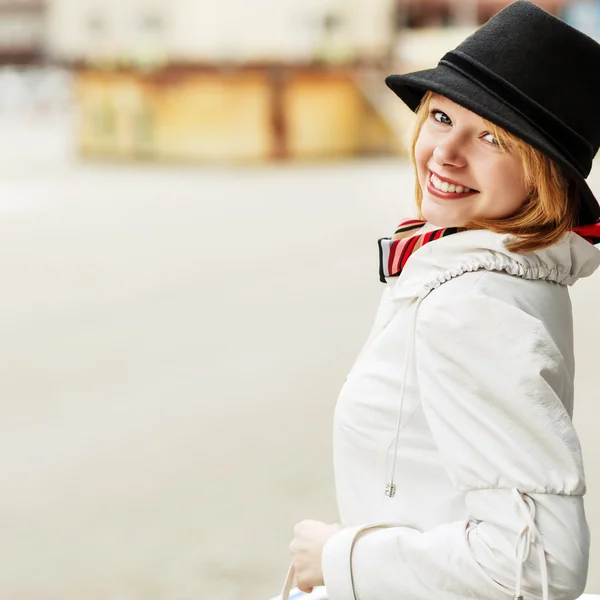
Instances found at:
x=337 y=572
x=336 y=562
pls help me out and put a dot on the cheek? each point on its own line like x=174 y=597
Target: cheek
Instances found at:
x=506 y=189
x=511 y=181
x=423 y=152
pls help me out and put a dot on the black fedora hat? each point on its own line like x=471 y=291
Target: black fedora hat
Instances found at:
x=533 y=75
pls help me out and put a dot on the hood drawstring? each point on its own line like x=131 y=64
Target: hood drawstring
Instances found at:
x=529 y=536
x=390 y=488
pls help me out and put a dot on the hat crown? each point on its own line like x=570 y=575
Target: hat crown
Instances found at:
x=550 y=62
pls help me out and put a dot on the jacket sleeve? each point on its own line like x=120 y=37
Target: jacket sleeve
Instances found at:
x=491 y=381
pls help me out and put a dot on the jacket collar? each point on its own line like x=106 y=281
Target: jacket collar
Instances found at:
x=441 y=260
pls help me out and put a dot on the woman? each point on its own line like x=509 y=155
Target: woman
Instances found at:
x=458 y=471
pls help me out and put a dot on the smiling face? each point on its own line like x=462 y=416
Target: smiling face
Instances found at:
x=464 y=172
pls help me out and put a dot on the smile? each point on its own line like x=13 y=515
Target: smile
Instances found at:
x=446 y=189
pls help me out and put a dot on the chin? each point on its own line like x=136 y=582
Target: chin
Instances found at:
x=440 y=217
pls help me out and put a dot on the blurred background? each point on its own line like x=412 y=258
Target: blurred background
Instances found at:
x=190 y=198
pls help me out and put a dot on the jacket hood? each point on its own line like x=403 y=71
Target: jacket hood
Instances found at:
x=437 y=262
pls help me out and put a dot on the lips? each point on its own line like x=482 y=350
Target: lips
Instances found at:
x=447 y=188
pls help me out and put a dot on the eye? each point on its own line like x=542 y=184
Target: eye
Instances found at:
x=440 y=117
x=490 y=139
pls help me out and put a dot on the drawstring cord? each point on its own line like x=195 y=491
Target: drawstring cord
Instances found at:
x=390 y=488
x=529 y=536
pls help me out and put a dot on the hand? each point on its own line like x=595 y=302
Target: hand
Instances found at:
x=307 y=546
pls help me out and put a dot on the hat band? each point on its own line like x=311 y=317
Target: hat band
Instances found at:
x=577 y=151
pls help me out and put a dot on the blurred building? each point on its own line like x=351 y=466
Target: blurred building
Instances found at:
x=22 y=31
x=30 y=87
x=229 y=80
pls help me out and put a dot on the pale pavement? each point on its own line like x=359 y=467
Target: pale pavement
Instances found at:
x=172 y=344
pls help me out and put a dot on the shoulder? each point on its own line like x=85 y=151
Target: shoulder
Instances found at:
x=534 y=296
x=542 y=299
x=486 y=300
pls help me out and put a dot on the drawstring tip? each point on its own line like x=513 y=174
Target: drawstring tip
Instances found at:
x=390 y=490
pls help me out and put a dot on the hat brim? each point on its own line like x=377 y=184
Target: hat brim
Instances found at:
x=452 y=84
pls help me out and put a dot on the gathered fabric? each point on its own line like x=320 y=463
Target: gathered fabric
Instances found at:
x=394 y=252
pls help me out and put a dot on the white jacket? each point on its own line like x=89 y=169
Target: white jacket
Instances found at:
x=463 y=398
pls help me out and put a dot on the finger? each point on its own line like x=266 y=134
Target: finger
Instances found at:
x=301 y=585
x=305 y=589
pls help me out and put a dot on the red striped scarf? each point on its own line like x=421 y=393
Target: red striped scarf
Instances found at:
x=394 y=252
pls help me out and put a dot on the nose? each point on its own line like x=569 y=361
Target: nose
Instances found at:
x=450 y=152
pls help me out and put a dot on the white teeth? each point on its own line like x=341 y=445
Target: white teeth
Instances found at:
x=450 y=188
